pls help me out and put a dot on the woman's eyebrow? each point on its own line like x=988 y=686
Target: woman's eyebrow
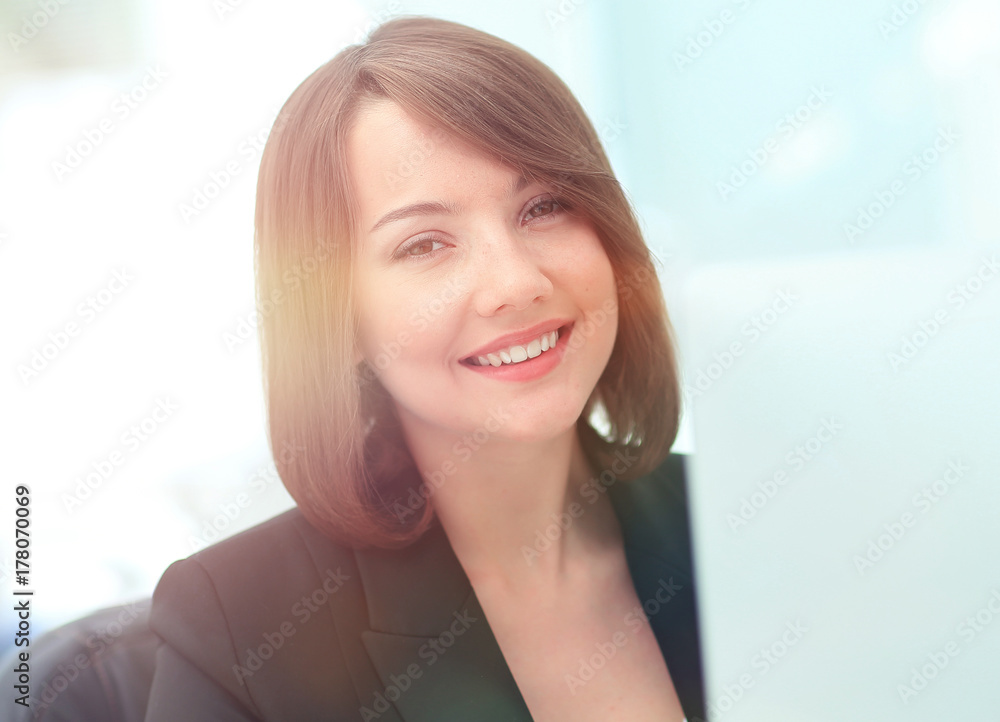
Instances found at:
x=427 y=208
x=433 y=208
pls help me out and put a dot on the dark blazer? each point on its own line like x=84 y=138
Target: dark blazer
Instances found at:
x=280 y=623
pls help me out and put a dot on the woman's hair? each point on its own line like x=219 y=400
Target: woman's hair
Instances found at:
x=336 y=440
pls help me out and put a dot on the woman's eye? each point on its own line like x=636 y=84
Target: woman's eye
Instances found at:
x=544 y=207
x=419 y=248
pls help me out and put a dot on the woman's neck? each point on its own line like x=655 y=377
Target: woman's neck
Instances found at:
x=513 y=512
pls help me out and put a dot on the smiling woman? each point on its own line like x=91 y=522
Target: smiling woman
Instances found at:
x=532 y=271
x=476 y=363
x=404 y=124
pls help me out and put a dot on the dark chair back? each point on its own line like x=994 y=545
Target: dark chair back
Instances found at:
x=96 y=669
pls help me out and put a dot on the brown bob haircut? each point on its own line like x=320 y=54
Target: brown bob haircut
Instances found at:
x=334 y=434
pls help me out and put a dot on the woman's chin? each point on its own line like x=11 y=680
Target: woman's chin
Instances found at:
x=539 y=429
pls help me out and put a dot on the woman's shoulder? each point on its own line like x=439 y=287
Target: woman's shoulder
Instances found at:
x=247 y=611
x=661 y=494
x=282 y=553
x=666 y=481
x=654 y=513
x=253 y=571
x=271 y=536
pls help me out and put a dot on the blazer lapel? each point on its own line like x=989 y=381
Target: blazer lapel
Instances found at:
x=433 y=648
x=429 y=639
x=653 y=513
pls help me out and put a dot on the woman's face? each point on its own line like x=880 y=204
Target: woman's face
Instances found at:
x=460 y=261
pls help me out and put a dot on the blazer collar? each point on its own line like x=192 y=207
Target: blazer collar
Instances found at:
x=433 y=639
x=433 y=648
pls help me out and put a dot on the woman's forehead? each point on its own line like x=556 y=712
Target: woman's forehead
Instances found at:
x=394 y=157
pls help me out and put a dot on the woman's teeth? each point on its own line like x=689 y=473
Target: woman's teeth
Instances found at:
x=517 y=354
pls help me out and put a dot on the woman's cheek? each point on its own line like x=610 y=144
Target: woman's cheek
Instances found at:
x=418 y=322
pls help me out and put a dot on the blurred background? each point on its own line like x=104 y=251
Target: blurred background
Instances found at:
x=130 y=135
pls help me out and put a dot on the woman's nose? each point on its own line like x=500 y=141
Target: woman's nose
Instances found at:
x=509 y=274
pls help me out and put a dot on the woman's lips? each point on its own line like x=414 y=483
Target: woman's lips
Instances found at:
x=519 y=353
x=530 y=368
x=518 y=338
